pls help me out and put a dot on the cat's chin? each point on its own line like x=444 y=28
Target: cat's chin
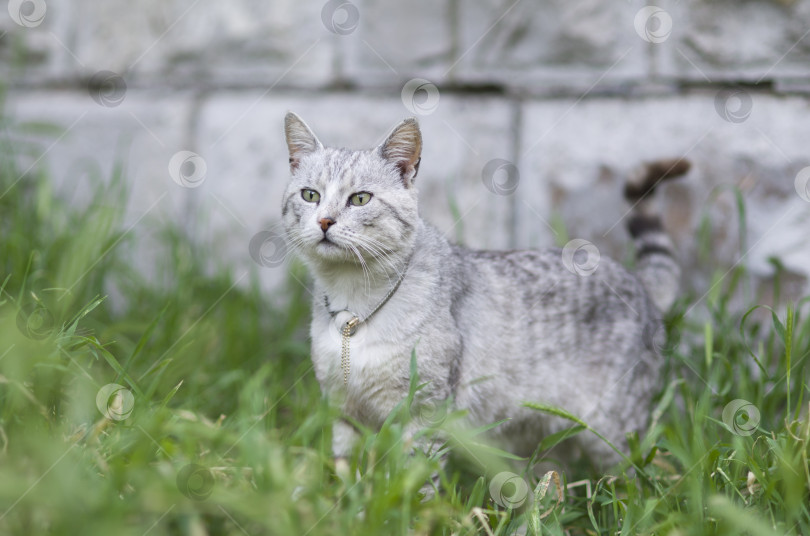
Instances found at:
x=326 y=250
x=331 y=256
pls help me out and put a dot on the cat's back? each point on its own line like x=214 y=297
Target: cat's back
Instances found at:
x=590 y=287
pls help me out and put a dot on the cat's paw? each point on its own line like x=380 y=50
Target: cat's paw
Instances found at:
x=430 y=488
x=428 y=492
x=342 y=469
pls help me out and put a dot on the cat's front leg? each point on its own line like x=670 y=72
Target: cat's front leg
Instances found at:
x=344 y=438
x=429 y=442
x=424 y=433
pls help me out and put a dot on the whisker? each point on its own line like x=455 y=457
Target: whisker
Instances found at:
x=380 y=253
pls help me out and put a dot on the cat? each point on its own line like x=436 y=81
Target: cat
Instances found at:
x=490 y=329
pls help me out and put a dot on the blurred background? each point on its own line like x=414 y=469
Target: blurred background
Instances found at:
x=533 y=114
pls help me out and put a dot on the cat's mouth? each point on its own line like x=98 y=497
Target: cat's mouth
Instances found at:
x=329 y=250
x=327 y=246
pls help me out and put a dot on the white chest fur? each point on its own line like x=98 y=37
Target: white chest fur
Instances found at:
x=378 y=363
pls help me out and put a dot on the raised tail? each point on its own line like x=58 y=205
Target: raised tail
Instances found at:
x=656 y=266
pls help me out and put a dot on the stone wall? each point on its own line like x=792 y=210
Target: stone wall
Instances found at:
x=533 y=113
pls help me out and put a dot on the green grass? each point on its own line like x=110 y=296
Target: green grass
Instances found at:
x=228 y=434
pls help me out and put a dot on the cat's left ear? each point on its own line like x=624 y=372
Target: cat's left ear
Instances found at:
x=300 y=139
x=403 y=148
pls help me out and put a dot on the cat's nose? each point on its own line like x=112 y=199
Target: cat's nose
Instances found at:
x=326 y=223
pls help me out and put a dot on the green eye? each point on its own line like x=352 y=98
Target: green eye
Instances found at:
x=310 y=196
x=360 y=198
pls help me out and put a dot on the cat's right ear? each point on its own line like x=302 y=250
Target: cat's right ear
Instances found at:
x=300 y=139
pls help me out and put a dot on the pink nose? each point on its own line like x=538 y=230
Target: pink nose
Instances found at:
x=326 y=223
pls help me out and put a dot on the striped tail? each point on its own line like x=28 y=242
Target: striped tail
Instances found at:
x=655 y=254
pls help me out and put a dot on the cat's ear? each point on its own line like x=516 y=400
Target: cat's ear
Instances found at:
x=403 y=148
x=300 y=139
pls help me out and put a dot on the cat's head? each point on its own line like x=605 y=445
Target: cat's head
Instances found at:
x=343 y=205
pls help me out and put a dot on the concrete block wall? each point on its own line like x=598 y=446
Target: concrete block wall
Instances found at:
x=533 y=113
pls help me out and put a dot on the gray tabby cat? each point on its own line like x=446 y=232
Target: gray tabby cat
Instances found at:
x=491 y=329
